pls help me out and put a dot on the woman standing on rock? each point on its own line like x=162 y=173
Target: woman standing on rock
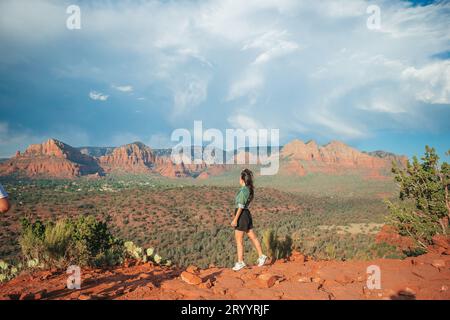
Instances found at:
x=242 y=221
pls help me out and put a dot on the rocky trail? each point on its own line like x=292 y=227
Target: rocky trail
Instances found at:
x=423 y=277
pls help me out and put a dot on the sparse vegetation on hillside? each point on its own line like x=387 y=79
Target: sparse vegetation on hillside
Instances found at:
x=187 y=221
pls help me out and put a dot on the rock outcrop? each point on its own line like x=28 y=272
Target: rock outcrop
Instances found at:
x=301 y=158
x=133 y=158
x=389 y=235
x=52 y=158
x=167 y=168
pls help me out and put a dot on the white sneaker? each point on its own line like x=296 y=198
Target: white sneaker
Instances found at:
x=239 y=265
x=261 y=260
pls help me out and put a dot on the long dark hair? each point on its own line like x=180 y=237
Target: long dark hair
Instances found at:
x=247 y=177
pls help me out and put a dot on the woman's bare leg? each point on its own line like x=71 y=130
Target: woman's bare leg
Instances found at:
x=239 y=235
x=255 y=241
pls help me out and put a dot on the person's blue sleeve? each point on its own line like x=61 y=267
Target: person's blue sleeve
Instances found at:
x=3 y=193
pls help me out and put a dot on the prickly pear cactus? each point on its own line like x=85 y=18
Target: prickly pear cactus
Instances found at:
x=149 y=254
x=157 y=258
x=133 y=250
x=150 y=251
x=7 y=271
x=3 y=265
x=33 y=263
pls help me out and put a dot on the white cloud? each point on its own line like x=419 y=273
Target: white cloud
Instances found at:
x=249 y=124
x=159 y=141
x=342 y=8
x=194 y=53
x=189 y=93
x=94 y=95
x=248 y=84
x=281 y=58
x=273 y=44
x=431 y=83
x=383 y=105
x=242 y=121
x=126 y=88
x=37 y=22
x=338 y=126
x=401 y=20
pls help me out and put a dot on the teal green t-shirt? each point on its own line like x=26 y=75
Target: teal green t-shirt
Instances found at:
x=242 y=197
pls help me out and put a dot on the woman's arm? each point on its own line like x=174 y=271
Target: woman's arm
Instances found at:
x=236 y=217
x=4 y=205
x=4 y=201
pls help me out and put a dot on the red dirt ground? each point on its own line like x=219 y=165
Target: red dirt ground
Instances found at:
x=423 y=277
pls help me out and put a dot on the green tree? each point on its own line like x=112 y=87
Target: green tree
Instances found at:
x=424 y=208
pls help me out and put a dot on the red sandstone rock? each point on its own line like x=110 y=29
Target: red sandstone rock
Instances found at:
x=438 y=263
x=333 y=158
x=190 y=278
x=389 y=235
x=134 y=157
x=343 y=279
x=192 y=269
x=52 y=158
x=267 y=280
x=400 y=280
x=297 y=257
x=206 y=285
x=144 y=276
x=84 y=297
x=304 y=279
x=40 y=295
x=442 y=241
x=166 y=167
x=27 y=296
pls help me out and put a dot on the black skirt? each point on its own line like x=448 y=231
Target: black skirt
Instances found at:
x=245 y=222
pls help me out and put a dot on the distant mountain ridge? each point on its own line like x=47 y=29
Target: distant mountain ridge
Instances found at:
x=302 y=158
x=57 y=159
x=96 y=151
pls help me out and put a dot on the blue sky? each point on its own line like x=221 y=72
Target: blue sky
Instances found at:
x=137 y=70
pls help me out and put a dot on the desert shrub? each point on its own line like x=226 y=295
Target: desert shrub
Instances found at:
x=7 y=271
x=385 y=250
x=82 y=241
x=276 y=248
x=424 y=207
